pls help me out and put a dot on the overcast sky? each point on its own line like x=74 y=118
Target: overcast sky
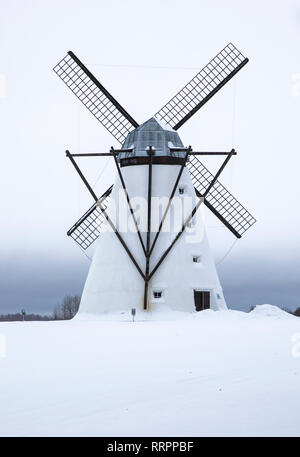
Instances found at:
x=143 y=52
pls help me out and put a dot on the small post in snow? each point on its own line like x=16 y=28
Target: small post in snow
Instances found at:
x=133 y=312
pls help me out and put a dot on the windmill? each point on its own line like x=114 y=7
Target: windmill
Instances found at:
x=151 y=268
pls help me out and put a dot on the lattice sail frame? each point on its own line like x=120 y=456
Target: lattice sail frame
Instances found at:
x=87 y=229
x=202 y=87
x=223 y=202
x=95 y=97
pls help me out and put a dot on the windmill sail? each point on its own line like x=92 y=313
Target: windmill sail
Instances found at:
x=87 y=229
x=202 y=87
x=95 y=97
x=219 y=200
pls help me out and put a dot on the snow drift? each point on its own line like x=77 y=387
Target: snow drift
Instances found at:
x=224 y=373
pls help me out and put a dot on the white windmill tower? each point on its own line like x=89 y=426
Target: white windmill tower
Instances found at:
x=149 y=267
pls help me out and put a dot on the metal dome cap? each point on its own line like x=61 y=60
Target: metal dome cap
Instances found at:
x=155 y=133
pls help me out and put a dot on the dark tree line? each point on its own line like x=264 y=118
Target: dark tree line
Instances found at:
x=21 y=317
x=69 y=307
x=63 y=311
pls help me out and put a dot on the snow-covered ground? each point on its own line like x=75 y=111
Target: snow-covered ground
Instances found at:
x=211 y=373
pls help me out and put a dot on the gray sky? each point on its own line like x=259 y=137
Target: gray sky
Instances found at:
x=143 y=52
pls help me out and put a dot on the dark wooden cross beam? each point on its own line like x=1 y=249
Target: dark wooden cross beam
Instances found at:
x=117 y=151
x=128 y=199
x=111 y=153
x=203 y=153
x=148 y=253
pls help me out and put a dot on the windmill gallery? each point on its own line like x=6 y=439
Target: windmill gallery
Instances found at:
x=153 y=267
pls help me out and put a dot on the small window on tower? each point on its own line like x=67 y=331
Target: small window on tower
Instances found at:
x=181 y=190
x=196 y=258
x=157 y=294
